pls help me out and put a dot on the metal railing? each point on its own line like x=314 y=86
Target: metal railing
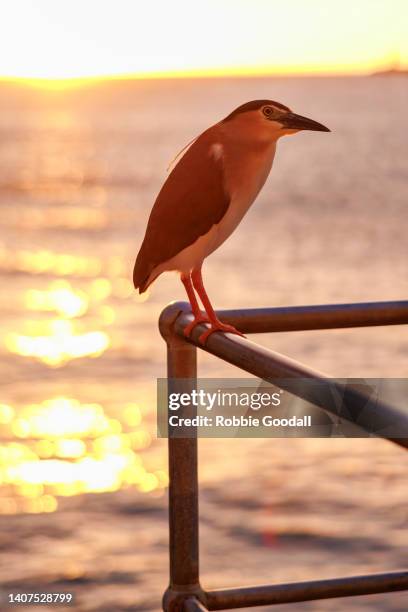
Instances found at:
x=185 y=591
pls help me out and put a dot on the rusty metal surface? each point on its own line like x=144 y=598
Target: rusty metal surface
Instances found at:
x=183 y=479
x=327 y=316
x=183 y=485
x=185 y=592
x=270 y=365
x=194 y=605
x=349 y=586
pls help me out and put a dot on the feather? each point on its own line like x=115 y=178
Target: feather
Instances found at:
x=191 y=201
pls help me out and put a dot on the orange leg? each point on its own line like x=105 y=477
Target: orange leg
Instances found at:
x=216 y=324
x=199 y=317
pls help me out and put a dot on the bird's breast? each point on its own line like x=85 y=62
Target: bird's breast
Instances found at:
x=246 y=171
x=244 y=177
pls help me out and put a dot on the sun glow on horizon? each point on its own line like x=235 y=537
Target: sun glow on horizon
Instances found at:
x=66 y=44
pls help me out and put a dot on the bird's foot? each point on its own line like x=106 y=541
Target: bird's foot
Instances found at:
x=218 y=326
x=196 y=321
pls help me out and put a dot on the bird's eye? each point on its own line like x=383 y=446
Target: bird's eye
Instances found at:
x=267 y=111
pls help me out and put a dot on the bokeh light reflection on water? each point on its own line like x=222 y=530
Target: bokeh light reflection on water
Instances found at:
x=61 y=447
x=60 y=345
x=66 y=305
x=55 y=341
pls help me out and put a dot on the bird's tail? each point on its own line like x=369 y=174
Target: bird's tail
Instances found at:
x=141 y=271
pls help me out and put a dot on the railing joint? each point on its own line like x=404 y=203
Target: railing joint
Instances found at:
x=175 y=598
x=168 y=318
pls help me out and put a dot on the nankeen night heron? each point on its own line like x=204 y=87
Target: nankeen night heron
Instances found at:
x=207 y=194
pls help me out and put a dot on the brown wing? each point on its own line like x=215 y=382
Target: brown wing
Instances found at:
x=191 y=201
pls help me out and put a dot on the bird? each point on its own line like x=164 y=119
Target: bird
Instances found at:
x=206 y=195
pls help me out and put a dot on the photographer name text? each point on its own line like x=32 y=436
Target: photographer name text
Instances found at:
x=239 y=421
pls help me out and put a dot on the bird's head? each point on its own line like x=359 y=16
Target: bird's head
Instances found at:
x=266 y=119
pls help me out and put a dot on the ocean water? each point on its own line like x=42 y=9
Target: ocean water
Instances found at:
x=80 y=351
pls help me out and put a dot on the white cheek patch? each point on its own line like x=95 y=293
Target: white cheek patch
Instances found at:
x=217 y=151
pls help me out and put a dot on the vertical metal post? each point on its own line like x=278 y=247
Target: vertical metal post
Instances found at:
x=183 y=478
x=183 y=487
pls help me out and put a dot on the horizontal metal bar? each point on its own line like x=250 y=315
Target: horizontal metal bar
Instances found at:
x=225 y=599
x=270 y=366
x=327 y=316
x=192 y=604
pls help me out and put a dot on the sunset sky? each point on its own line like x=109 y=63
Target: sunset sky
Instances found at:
x=82 y=38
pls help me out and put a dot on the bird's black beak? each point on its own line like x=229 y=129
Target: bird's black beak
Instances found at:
x=297 y=122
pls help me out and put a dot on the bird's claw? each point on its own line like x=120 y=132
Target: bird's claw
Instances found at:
x=222 y=327
x=196 y=321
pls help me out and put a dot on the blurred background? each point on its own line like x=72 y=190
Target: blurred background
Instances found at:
x=96 y=99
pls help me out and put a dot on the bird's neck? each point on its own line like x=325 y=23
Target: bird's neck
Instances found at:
x=247 y=165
